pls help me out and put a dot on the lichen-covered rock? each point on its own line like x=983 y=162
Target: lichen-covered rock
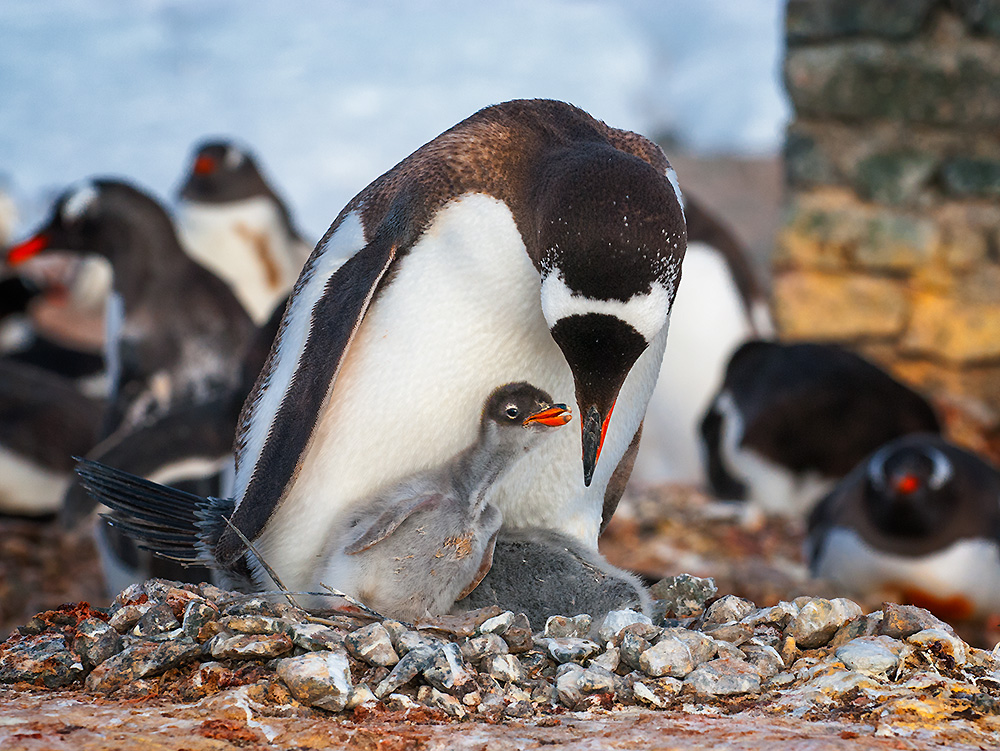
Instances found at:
x=819 y=619
x=480 y=647
x=616 y=620
x=319 y=679
x=498 y=624
x=141 y=660
x=43 y=660
x=901 y=621
x=250 y=646
x=506 y=668
x=315 y=636
x=574 y=683
x=723 y=677
x=373 y=645
x=95 y=642
x=410 y=665
x=609 y=659
x=126 y=617
x=447 y=670
x=570 y=649
x=868 y=655
x=763 y=657
x=632 y=647
x=669 y=656
x=158 y=619
x=728 y=609
x=431 y=697
x=561 y=626
x=197 y=614
x=942 y=643
x=254 y=624
x=684 y=595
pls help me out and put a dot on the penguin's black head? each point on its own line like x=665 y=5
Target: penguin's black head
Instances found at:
x=611 y=234
x=222 y=172
x=908 y=488
x=103 y=217
x=525 y=407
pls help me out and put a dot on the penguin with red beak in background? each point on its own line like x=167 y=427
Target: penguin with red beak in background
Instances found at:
x=233 y=223
x=531 y=243
x=919 y=520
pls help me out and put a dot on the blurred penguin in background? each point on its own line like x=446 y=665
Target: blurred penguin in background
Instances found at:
x=792 y=419
x=720 y=304
x=233 y=223
x=917 y=520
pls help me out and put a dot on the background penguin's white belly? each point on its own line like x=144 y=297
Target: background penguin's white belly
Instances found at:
x=460 y=317
x=710 y=322
x=246 y=245
x=968 y=568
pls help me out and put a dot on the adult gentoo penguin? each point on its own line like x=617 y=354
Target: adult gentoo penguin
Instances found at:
x=530 y=242
x=920 y=519
x=175 y=331
x=720 y=306
x=232 y=222
x=789 y=420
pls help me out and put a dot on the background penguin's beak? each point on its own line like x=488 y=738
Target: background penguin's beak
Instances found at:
x=554 y=416
x=594 y=427
x=29 y=248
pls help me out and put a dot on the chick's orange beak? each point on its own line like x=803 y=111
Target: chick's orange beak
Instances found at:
x=553 y=417
x=29 y=248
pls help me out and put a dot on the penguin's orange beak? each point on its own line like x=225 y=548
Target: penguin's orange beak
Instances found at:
x=29 y=248
x=553 y=417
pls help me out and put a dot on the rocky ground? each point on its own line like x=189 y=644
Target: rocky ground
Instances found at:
x=195 y=667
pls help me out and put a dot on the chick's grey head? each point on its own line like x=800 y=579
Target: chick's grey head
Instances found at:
x=519 y=415
x=908 y=491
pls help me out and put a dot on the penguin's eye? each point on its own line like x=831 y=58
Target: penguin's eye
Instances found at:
x=512 y=411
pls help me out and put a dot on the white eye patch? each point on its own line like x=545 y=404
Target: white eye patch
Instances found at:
x=234 y=157
x=79 y=202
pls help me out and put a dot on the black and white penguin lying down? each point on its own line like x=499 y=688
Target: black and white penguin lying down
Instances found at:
x=418 y=546
x=791 y=419
x=919 y=520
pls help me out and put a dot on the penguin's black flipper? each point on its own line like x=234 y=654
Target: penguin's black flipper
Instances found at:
x=168 y=522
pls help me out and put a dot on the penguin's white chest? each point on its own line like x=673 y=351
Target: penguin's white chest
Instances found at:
x=244 y=243
x=710 y=322
x=460 y=317
x=968 y=569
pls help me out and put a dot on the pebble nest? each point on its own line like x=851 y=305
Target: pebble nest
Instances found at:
x=895 y=669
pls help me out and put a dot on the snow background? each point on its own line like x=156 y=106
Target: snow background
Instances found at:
x=331 y=94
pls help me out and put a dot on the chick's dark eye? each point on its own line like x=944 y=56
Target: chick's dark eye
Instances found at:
x=512 y=412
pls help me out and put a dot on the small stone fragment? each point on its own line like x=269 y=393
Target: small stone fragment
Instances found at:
x=819 y=619
x=734 y=633
x=409 y=667
x=95 y=642
x=669 y=656
x=779 y=615
x=254 y=624
x=431 y=697
x=197 y=614
x=632 y=647
x=518 y=635
x=498 y=624
x=862 y=625
x=125 y=618
x=684 y=595
x=902 y=621
x=447 y=670
x=506 y=668
x=867 y=655
x=319 y=679
x=250 y=646
x=157 y=620
x=141 y=660
x=941 y=643
x=561 y=626
x=616 y=620
x=609 y=659
x=520 y=709
x=723 y=677
x=315 y=636
x=727 y=609
x=399 y=703
x=764 y=658
x=570 y=649
x=43 y=659
x=360 y=694
x=481 y=647
x=373 y=645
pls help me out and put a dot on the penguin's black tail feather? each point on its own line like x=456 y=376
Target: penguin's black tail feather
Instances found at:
x=167 y=522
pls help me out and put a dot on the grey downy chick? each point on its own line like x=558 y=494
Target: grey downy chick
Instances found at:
x=415 y=548
x=428 y=541
x=541 y=572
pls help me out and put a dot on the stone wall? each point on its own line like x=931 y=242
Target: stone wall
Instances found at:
x=892 y=242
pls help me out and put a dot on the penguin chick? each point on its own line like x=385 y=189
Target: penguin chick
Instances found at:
x=429 y=541
x=541 y=572
x=919 y=519
x=414 y=549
